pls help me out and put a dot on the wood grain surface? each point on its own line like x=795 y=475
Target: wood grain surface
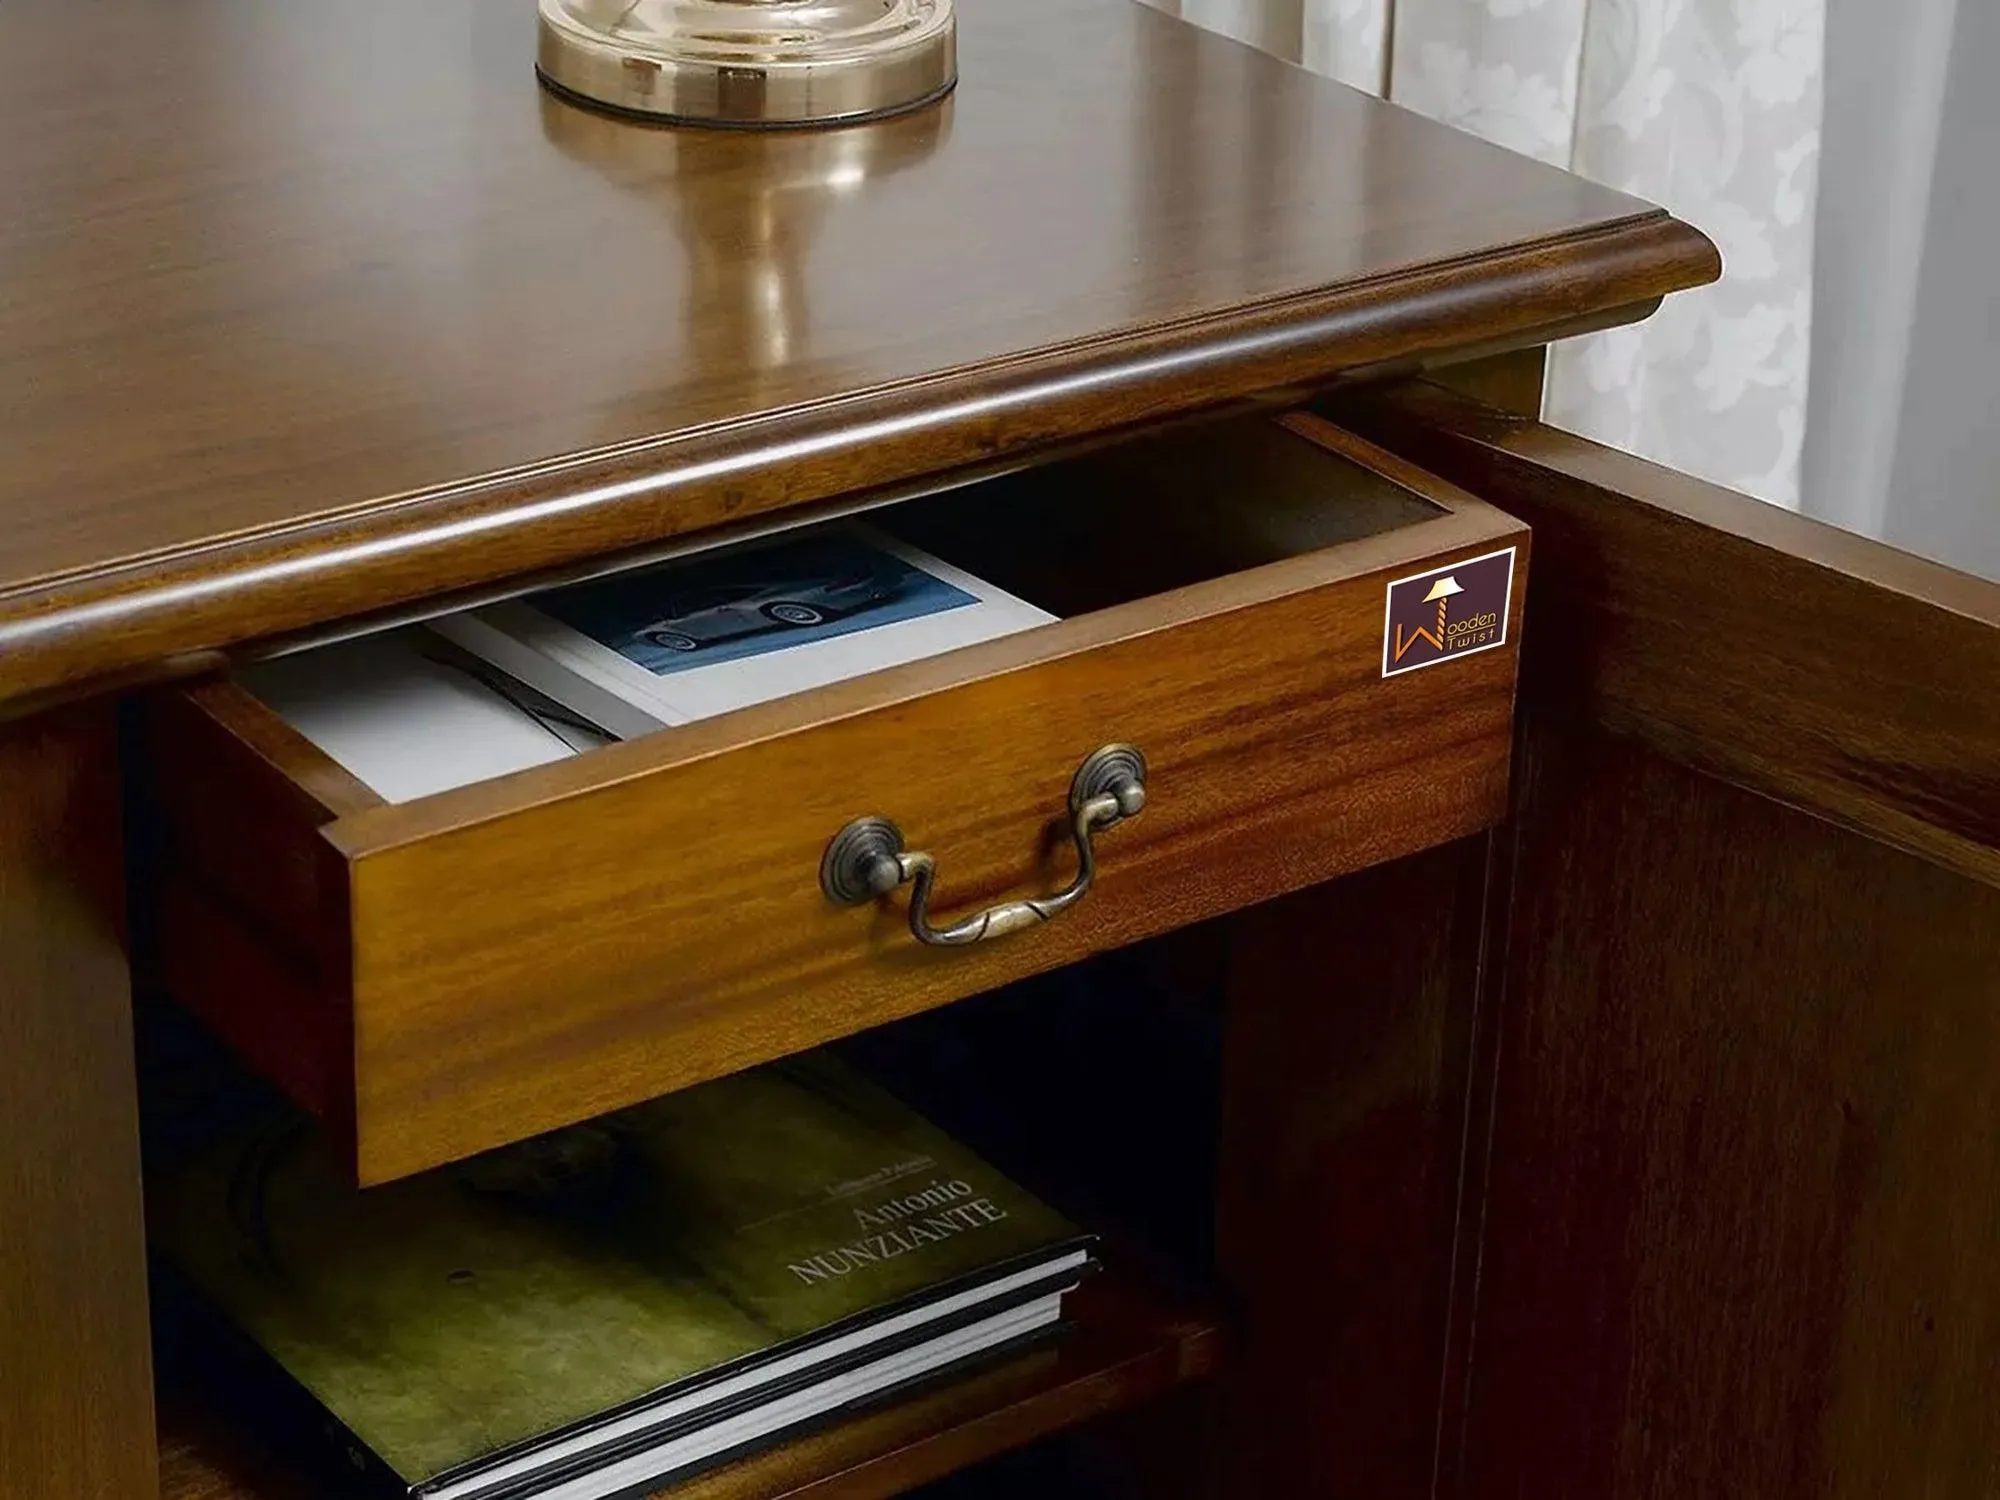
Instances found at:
x=1351 y=1018
x=76 y=1388
x=1731 y=1160
x=1132 y=1343
x=296 y=324
x=240 y=795
x=1817 y=666
x=535 y=950
x=1743 y=1217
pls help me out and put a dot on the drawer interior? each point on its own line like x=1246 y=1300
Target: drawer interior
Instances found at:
x=1167 y=512
x=1162 y=513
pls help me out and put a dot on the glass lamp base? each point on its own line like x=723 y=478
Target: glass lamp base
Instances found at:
x=750 y=62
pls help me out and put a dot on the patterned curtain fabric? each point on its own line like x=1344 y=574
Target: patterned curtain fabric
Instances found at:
x=1710 y=107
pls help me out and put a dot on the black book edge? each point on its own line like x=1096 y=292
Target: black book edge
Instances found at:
x=526 y=1486
x=826 y=1333
x=223 y=1354
x=943 y=1375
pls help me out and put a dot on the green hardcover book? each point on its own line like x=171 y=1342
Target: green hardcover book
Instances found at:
x=594 y=1310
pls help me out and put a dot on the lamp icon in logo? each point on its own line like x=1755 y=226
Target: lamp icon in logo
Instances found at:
x=1451 y=612
x=1440 y=595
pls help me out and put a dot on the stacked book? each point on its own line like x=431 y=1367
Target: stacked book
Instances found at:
x=595 y=1312
x=488 y=691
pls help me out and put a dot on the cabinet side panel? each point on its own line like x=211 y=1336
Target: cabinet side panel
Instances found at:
x=1743 y=1216
x=1742 y=1225
x=76 y=1388
x=1762 y=647
x=1345 y=1074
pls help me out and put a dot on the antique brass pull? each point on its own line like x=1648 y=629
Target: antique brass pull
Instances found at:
x=867 y=858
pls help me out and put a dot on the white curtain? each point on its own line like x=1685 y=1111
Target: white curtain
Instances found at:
x=1904 y=438
x=1709 y=107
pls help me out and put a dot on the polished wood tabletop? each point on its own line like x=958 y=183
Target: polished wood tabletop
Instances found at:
x=312 y=309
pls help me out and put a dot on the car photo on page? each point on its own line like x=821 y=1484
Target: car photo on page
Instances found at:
x=750 y=602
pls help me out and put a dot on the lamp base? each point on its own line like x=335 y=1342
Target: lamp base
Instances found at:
x=750 y=62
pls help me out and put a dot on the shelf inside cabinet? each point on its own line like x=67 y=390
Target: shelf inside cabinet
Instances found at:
x=1132 y=1341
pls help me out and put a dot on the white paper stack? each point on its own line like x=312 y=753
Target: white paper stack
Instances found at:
x=408 y=718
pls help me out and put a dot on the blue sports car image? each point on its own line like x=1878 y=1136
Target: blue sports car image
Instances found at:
x=723 y=606
x=721 y=612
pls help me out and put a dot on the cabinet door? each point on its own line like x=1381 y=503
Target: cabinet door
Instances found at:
x=1740 y=1176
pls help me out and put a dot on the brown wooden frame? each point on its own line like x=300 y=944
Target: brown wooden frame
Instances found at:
x=691 y=932
x=1733 y=1158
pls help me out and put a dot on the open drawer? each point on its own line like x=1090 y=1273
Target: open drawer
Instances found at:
x=440 y=976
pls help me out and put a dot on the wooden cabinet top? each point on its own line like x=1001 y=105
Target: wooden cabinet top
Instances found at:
x=311 y=309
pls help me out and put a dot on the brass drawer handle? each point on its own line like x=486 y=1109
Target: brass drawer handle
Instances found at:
x=867 y=858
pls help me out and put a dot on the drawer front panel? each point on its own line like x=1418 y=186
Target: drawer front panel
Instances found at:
x=548 y=963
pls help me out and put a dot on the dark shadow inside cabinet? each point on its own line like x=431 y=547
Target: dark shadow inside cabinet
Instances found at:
x=1096 y=1087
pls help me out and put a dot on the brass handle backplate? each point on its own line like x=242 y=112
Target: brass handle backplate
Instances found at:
x=867 y=859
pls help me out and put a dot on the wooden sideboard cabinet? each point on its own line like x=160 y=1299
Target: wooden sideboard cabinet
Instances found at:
x=1560 y=1071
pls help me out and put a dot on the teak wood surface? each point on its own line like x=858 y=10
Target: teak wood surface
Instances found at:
x=1740 y=1233
x=76 y=1401
x=1776 y=651
x=394 y=968
x=1345 y=1076
x=297 y=326
x=311 y=309
x=1737 y=1232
